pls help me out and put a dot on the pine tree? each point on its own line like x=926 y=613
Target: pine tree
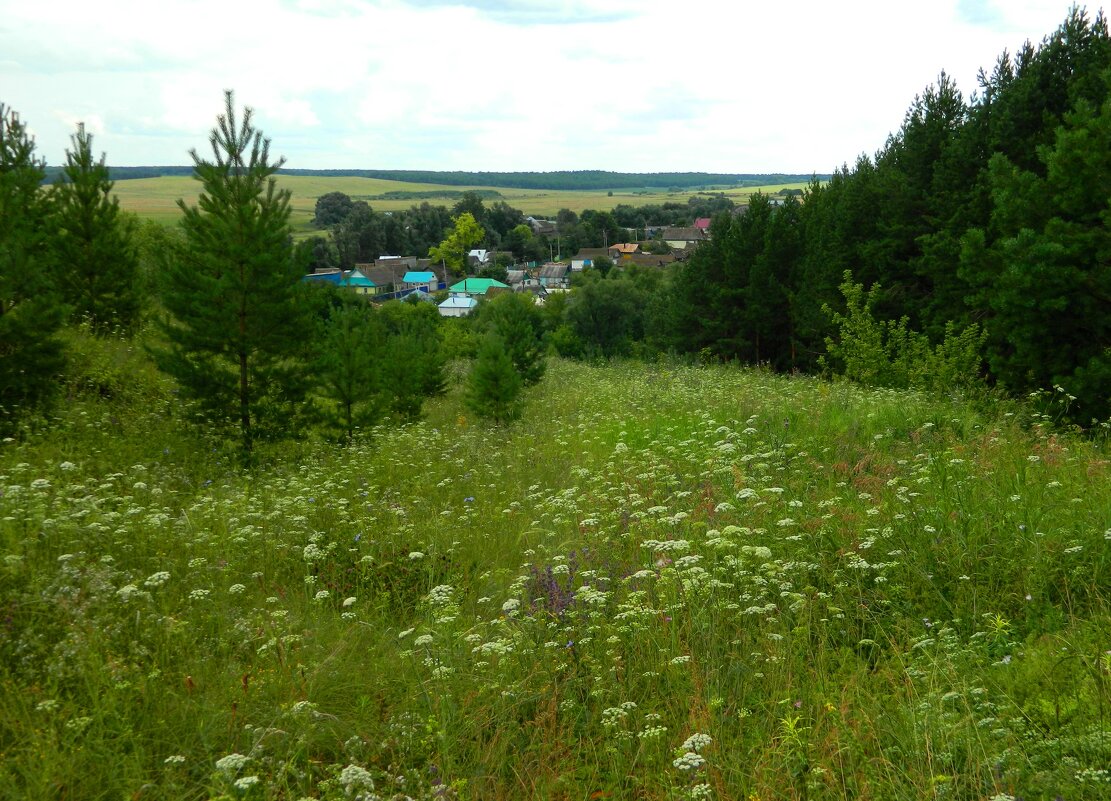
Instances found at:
x=494 y=387
x=516 y=320
x=237 y=327
x=349 y=368
x=99 y=267
x=31 y=356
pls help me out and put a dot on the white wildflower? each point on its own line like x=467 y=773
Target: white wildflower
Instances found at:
x=232 y=763
x=689 y=761
x=157 y=579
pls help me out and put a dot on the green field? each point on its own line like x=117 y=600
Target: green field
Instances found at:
x=156 y=198
x=665 y=582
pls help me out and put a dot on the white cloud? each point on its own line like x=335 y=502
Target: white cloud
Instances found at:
x=724 y=85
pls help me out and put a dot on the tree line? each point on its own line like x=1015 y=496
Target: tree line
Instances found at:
x=983 y=216
x=582 y=180
x=356 y=233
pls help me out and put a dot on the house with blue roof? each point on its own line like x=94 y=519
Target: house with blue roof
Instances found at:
x=333 y=277
x=420 y=279
x=457 y=306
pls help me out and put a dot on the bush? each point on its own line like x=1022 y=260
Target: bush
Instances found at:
x=887 y=353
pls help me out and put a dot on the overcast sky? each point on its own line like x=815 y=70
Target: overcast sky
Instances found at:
x=795 y=86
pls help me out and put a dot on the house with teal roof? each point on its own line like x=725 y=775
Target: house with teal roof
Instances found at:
x=359 y=283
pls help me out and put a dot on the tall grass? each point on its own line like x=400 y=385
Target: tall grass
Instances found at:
x=664 y=582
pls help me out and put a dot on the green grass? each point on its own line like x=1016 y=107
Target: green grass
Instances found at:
x=853 y=594
x=156 y=198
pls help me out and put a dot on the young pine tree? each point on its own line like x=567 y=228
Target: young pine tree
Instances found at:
x=30 y=314
x=349 y=367
x=237 y=328
x=516 y=320
x=97 y=260
x=494 y=386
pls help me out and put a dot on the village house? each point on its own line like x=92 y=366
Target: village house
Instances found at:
x=477 y=287
x=683 y=238
x=586 y=257
x=554 y=275
x=359 y=283
x=457 y=306
x=622 y=250
x=420 y=279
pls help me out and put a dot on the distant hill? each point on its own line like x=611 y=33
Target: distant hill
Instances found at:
x=566 y=179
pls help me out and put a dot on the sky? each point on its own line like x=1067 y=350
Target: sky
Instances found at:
x=795 y=86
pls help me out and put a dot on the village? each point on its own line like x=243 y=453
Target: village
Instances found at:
x=393 y=277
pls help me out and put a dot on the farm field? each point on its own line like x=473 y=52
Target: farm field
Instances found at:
x=666 y=582
x=156 y=198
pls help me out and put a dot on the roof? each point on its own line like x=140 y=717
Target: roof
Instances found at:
x=652 y=259
x=689 y=234
x=381 y=274
x=477 y=286
x=478 y=254
x=516 y=276
x=329 y=277
x=702 y=223
x=625 y=247
x=456 y=302
x=356 y=278
x=591 y=253
x=418 y=277
x=553 y=271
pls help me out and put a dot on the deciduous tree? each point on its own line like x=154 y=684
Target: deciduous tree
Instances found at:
x=464 y=235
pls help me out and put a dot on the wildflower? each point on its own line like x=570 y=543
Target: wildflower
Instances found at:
x=354 y=778
x=246 y=783
x=236 y=589
x=175 y=759
x=67 y=466
x=232 y=763
x=157 y=579
x=696 y=742
x=415 y=555
x=322 y=595
x=349 y=602
x=510 y=605
x=424 y=639
x=689 y=761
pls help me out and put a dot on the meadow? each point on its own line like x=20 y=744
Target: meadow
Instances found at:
x=156 y=198
x=667 y=581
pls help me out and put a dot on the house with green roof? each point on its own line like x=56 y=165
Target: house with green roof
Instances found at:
x=476 y=287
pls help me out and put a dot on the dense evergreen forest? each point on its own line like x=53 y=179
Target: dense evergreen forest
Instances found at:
x=991 y=211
